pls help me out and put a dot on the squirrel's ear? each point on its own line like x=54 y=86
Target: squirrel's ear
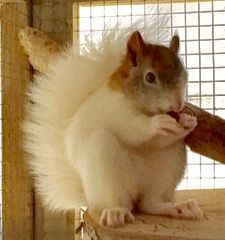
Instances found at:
x=135 y=47
x=175 y=44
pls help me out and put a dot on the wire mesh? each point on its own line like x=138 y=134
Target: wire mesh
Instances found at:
x=201 y=27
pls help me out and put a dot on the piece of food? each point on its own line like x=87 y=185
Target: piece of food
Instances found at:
x=174 y=115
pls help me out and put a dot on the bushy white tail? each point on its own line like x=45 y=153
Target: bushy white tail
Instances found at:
x=55 y=99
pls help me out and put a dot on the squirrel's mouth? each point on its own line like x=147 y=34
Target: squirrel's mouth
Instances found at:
x=175 y=115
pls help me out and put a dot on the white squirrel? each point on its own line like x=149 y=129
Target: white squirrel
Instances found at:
x=99 y=135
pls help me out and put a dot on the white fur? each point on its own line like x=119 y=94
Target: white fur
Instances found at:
x=57 y=96
x=85 y=141
x=110 y=131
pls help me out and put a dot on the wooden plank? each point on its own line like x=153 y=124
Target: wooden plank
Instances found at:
x=154 y=227
x=52 y=226
x=17 y=187
x=54 y=18
x=148 y=227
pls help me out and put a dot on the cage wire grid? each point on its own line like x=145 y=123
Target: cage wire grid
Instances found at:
x=201 y=27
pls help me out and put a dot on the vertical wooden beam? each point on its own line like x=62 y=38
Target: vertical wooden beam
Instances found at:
x=54 y=18
x=17 y=187
x=76 y=39
x=76 y=22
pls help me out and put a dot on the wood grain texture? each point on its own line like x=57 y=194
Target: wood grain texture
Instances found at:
x=17 y=187
x=208 y=138
x=148 y=227
x=53 y=18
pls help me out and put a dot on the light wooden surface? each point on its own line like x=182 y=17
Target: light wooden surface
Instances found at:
x=164 y=228
x=17 y=187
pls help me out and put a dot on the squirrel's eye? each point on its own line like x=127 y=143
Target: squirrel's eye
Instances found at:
x=150 y=78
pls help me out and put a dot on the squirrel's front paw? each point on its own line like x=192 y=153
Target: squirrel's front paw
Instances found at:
x=188 y=122
x=116 y=217
x=164 y=125
x=188 y=210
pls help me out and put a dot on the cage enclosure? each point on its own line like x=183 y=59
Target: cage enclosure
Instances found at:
x=201 y=28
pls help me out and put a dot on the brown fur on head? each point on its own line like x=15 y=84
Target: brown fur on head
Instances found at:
x=152 y=75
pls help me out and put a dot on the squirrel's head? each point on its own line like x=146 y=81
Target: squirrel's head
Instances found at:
x=152 y=75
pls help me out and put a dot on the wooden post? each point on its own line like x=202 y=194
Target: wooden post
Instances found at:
x=17 y=187
x=54 y=18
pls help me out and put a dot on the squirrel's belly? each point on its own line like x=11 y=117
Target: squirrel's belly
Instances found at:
x=164 y=167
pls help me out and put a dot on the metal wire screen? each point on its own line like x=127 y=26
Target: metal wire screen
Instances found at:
x=201 y=27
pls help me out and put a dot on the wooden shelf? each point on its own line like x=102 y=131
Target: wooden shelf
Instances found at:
x=164 y=228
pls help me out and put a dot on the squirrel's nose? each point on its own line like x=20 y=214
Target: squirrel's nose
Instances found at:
x=177 y=107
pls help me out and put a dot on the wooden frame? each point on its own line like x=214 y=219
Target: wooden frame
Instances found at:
x=55 y=18
x=17 y=187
